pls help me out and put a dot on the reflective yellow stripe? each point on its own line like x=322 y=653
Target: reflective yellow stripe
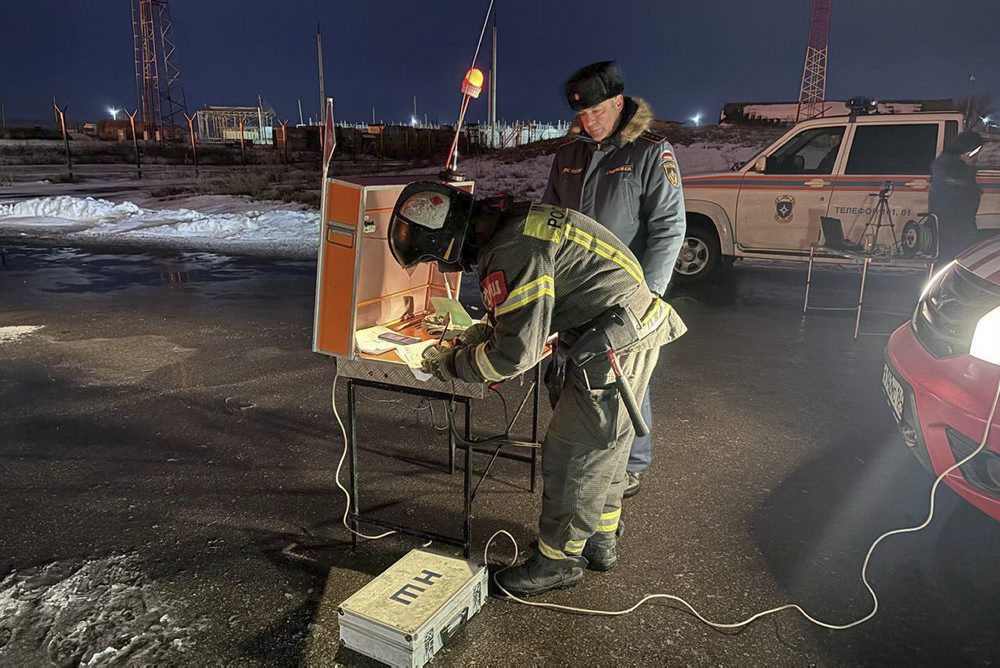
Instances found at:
x=527 y=293
x=598 y=247
x=575 y=545
x=486 y=369
x=609 y=521
x=653 y=311
x=549 y=552
x=613 y=515
x=608 y=248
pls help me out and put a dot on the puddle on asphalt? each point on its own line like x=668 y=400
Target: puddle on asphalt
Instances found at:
x=71 y=270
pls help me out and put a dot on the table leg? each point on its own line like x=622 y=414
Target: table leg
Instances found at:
x=467 y=528
x=861 y=297
x=352 y=460
x=809 y=278
x=451 y=442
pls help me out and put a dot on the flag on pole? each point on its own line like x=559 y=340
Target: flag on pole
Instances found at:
x=329 y=136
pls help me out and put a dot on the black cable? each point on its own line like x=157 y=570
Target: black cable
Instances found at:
x=497 y=392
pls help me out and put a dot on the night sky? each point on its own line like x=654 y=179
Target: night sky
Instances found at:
x=683 y=57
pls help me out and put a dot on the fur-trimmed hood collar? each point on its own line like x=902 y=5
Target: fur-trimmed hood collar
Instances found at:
x=637 y=115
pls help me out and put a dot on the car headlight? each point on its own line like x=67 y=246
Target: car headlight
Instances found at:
x=935 y=279
x=986 y=338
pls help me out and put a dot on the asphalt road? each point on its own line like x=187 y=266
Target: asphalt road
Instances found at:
x=170 y=413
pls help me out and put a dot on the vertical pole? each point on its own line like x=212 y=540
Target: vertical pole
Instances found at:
x=352 y=450
x=319 y=56
x=135 y=142
x=260 y=119
x=61 y=115
x=493 y=83
x=194 y=145
x=3 y=113
x=302 y=121
x=284 y=138
x=968 y=101
x=373 y=114
x=243 y=148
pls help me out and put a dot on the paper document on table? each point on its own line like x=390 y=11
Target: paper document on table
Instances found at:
x=459 y=316
x=413 y=355
x=367 y=340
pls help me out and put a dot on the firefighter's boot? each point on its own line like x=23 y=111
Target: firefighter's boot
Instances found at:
x=540 y=574
x=601 y=551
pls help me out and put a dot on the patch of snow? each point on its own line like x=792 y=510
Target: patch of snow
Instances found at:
x=89 y=218
x=238 y=225
x=14 y=332
x=98 y=612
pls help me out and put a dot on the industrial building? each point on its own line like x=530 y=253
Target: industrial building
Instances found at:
x=226 y=124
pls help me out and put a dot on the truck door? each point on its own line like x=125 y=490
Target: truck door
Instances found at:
x=880 y=153
x=779 y=209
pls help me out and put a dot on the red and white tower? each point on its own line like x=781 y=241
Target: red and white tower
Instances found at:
x=157 y=76
x=813 y=91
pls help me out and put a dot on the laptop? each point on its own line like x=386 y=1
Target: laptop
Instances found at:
x=833 y=235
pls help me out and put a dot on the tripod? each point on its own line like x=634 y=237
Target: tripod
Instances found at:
x=881 y=217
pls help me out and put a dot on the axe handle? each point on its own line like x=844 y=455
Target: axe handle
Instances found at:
x=625 y=390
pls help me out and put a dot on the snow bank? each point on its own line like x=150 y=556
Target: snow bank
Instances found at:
x=213 y=223
x=75 y=218
x=99 y=612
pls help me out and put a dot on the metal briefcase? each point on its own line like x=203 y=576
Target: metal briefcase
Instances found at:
x=409 y=612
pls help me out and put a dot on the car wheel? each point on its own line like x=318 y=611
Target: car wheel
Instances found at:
x=699 y=256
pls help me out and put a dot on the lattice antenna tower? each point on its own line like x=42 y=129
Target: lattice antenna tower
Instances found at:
x=157 y=75
x=813 y=91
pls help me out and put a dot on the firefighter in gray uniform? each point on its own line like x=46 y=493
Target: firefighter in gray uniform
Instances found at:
x=546 y=270
x=618 y=172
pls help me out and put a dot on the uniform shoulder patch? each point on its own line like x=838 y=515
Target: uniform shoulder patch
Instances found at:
x=651 y=136
x=494 y=290
x=669 y=164
x=546 y=222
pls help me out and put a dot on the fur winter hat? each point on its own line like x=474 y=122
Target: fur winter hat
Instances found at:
x=594 y=84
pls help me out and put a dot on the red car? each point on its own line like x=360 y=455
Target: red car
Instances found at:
x=941 y=373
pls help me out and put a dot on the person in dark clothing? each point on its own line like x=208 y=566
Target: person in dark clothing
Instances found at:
x=955 y=194
x=546 y=270
x=614 y=169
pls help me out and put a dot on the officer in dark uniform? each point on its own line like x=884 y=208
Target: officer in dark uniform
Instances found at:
x=955 y=194
x=618 y=172
x=546 y=270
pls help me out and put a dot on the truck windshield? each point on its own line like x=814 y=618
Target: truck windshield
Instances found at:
x=813 y=151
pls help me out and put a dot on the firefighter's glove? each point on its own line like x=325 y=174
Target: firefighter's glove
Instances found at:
x=475 y=334
x=439 y=361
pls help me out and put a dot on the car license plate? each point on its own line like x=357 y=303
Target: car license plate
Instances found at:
x=893 y=392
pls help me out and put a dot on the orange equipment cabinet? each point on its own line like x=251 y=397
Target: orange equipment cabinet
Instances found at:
x=358 y=283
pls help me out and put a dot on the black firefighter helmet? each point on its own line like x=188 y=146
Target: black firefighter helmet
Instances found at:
x=429 y=223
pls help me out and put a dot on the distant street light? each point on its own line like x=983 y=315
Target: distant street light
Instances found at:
x=696 y=119
x=413 y=121
x=114 y=113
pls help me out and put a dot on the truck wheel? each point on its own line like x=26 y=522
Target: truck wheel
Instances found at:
x=700 y=255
